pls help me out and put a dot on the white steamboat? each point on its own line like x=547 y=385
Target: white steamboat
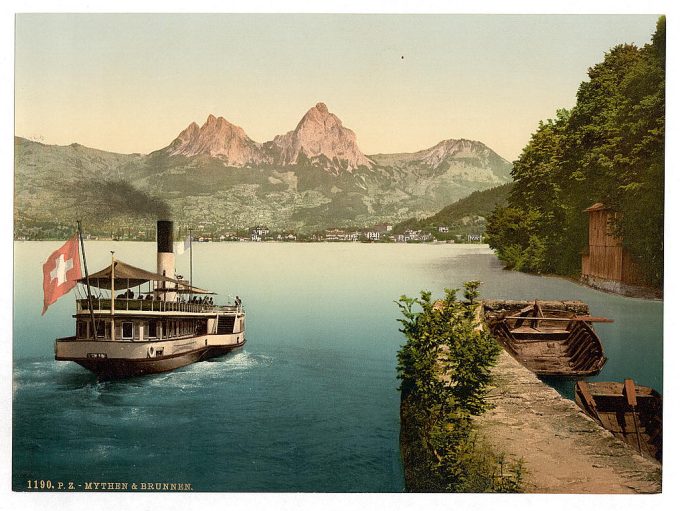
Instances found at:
x=125 y=330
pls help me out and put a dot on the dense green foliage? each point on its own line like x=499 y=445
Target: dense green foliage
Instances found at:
x=477 y=204
x=609 y=148
x=445 y=369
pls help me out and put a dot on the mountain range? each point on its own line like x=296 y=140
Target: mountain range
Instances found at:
x=312 y=177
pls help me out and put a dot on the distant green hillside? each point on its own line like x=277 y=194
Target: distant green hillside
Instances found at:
x=461 y=212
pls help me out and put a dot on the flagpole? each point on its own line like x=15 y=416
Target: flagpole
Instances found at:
x=87 y=281
x=113 y=299
x=191 y=265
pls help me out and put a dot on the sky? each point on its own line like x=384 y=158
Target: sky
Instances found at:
x=402 y=82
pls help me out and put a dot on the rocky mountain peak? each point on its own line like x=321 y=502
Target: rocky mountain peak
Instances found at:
x=320 y=138
x=218 y=138
x=457 y=149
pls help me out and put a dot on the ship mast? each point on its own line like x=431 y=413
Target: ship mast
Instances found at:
x=87 y=281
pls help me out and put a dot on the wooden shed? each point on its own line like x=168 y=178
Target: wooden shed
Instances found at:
x=605 y=259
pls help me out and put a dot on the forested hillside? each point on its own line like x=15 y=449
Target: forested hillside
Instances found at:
x=477 y=204
x=609 y=148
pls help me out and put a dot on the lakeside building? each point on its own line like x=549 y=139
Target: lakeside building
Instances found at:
x=340 y=235
x=383 y=228
x=259 y=233
x=605 y=263
x=412 y=235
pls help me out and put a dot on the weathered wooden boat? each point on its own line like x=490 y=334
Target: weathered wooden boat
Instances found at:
x=632 y=413
x=551 y=342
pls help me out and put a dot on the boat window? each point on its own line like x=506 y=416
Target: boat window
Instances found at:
x=81 y=331
x=152 y=329
x=127 y=329
x=101 y=328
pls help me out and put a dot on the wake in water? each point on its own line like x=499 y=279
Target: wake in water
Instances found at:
x=215 y=369
x=241 y=361
x=41 y=375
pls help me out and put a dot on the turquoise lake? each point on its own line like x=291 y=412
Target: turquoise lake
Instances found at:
x=310 y=404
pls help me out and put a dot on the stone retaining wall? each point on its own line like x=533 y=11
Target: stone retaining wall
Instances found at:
x=562 y=449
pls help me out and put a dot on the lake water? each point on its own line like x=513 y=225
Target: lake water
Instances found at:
x=310 y=404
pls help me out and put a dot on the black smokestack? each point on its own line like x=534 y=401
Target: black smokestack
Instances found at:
x=164 y=237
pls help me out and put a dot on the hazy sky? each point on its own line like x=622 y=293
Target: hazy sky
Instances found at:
x=131 y=82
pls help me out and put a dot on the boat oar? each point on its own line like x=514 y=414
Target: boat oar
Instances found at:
x=631 y=399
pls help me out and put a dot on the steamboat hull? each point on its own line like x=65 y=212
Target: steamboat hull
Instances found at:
x=110 y=369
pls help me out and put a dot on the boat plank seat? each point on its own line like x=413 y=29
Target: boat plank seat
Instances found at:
x=629 y=392
x=547 y=332
x=639 y=397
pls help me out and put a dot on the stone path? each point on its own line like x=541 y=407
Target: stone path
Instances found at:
x=563 y=450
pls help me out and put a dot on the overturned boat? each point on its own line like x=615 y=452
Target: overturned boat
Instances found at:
x=551 y=342
x=141 y=322
x=632 y=413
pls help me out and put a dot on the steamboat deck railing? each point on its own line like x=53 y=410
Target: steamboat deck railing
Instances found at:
x=132 y=304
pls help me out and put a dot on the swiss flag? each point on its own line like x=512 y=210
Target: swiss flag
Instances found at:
x=61 y=272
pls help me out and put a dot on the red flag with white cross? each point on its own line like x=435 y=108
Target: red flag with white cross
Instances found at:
x=61 y=272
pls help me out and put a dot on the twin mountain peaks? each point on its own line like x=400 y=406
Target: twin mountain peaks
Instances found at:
x=319 y=138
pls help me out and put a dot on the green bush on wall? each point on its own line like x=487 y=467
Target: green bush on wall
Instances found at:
x=445 y=370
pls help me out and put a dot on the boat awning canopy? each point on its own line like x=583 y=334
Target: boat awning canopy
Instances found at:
x=128 y=276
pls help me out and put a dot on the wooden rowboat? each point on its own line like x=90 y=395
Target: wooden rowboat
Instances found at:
x=631 y=412
x=551 y=342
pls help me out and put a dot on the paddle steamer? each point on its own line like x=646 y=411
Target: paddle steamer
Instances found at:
x=136 y=322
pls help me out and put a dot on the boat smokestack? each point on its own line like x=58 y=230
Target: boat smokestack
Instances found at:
x=165 y=257
x=164 y=236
